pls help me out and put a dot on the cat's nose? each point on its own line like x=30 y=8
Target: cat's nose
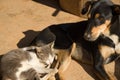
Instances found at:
x=48 y=62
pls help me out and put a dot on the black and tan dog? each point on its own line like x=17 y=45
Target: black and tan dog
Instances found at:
x=99 y=45
x=103 y=19
x=85 y=51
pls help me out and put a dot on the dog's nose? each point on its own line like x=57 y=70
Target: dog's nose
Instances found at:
x=87 y=36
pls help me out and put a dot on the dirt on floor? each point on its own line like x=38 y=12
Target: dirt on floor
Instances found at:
x=21 y=21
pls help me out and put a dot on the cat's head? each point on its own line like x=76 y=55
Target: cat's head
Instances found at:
x=45 y=53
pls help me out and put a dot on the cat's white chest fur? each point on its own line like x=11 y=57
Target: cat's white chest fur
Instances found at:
x=34 y=62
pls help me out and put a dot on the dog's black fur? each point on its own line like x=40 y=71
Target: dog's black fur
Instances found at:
x=65 y=34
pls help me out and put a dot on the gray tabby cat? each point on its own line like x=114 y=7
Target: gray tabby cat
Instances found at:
x=29 y=63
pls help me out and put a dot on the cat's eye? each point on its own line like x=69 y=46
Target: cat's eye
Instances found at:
x=46 y=65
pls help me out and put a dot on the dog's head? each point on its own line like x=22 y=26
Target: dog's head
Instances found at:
x=99 y=17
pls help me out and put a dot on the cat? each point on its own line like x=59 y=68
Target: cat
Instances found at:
x=28 y=63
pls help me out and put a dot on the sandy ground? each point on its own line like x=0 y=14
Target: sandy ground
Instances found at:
x=21 y=20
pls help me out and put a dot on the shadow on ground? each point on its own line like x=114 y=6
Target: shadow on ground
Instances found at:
x=0 y=68
x=29 y=36
x=90 y=70
x=51 y=3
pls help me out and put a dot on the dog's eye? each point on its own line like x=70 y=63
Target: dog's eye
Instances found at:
x=99 y=21
x=102 y=20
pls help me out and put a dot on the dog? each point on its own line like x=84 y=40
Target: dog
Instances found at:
x=95 y=49
x=65 y=35
x=28 y=63
x=103 y=19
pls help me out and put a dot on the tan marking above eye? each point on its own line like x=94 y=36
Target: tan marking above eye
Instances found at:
x=97 y=15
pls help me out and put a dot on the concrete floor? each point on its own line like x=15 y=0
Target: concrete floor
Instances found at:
x=21 y=21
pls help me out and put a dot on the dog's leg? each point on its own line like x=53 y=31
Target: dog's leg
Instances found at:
x=99 y=61
x=99 y=67
x=112 y=58
x=64 y=59
x=63 y=66
x=63 y=62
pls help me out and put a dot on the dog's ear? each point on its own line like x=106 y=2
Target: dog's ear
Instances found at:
x=86 y=7
x=116 y=9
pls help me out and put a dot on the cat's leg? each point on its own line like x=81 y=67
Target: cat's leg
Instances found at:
x=28 y=48
x=45 y=70
x=51 y=73
x=40 y=68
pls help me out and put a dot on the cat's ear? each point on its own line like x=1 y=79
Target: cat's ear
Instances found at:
x=51 y=44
